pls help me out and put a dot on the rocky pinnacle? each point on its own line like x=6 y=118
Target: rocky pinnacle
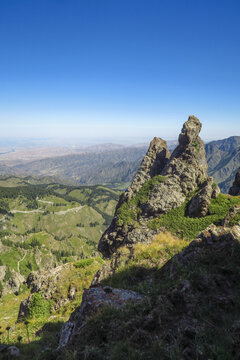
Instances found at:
x=184 y=171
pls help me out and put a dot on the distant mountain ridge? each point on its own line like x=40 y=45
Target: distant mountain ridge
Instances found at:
x=105 y=167
x=117 y=165
x=223 y=157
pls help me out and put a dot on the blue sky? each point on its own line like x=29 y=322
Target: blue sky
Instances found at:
x=118 y=68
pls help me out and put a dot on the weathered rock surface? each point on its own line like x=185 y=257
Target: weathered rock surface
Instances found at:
x=235 y=210
x=199 y=204
x=184 y=171
x=2 y=272
x=235 y=188
x=151 y=165
x=94 y=299
x=13 y=285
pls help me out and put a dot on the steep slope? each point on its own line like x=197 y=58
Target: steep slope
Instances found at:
x=190 y=307
x=223 y=157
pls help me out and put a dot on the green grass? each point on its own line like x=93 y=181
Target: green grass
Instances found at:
x=178 y=222
x=129 y=211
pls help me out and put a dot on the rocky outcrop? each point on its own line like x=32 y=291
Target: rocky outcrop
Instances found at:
x=200 y=203
x=94 y=299
x=2 y=272
x=186 y=170
x=151 y=165
x=234 y=213
x=183 y=172
x=48 y=282
x=13 y=285
x=235 y=188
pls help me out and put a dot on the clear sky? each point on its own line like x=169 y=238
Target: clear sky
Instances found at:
x=109 y=68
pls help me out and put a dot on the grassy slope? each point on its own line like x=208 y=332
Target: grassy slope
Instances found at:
x=55 y=231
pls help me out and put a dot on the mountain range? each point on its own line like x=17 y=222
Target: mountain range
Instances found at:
x=116 y=165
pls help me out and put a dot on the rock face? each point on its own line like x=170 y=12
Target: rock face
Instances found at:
x=13 y=285
x=235 y=189
x=94 y=299
x=200 y=203
x=184 y=171
x=151 y=165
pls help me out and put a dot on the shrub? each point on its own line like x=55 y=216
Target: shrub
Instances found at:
x=83 y=263
x=39 y=306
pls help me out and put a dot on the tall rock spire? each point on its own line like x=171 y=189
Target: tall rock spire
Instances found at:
x=180 y=174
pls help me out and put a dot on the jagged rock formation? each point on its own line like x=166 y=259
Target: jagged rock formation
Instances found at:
x=183 y=172
x=93 y=299
x=235 y=188
x=151 y=165
x=186 y=169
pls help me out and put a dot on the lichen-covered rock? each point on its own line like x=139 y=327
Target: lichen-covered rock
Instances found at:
x=235 y=188
x=94 y=299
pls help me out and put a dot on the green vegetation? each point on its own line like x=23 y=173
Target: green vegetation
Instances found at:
x=129 y=211
x=83 y=263
x=39 y=306
x=43 y=225
x=178 y=222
